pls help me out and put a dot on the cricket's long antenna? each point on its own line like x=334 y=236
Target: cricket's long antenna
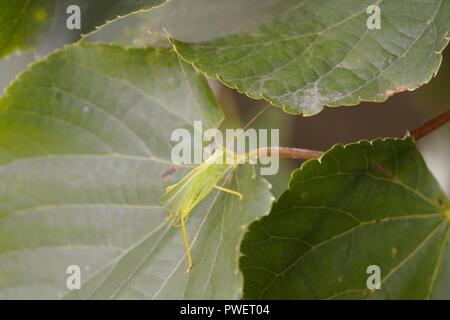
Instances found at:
x=186 y=79
x=191 y=91
x=195 y=101
x=256 y=116
x=249 y=123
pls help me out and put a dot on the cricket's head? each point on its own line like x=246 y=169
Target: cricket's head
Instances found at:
x=214 y=146
x=222 y=157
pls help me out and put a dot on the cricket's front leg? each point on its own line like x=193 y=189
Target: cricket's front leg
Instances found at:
x=174 y=218
x=241 y=197
x=170 y=216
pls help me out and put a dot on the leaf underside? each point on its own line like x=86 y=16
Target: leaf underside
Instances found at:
x=189 y=20
x=84 y=158
x=321 y=53
x=360 y=205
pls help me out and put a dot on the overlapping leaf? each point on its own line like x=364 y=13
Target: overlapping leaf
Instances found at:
x=84 y=158
x=321 y=53
x=190 y=20
x=365 y=204
x=26 y=22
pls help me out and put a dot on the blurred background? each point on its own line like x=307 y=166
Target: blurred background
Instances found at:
x=198 y=20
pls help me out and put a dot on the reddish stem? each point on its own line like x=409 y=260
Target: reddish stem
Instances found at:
x=431 y=125
x=293 y=153
x=305 y=154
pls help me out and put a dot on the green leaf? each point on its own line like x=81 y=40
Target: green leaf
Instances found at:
x=321 y=53
x=367 y=203
x=84 y=158
x=189 y=20
x=24 y=23
x=18 y=19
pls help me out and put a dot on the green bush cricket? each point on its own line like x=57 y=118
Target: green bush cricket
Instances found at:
x=181 y=198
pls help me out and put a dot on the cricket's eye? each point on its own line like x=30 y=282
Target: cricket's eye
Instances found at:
x=213 y=147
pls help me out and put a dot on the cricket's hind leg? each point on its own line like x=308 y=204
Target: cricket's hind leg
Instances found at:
x=179 y=221
x=186 y=243
x=241 y=197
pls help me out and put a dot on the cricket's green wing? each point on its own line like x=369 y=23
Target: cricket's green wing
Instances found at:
x=175 y=196
x=186 y=194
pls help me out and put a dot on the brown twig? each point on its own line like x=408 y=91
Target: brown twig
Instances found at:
x=431 y=125
x=305 y=154
x=292 y=153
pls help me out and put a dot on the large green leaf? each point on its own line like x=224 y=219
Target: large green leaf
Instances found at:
x=84 y=158
x=26 y=22
x=321 y=53
x=359 y=205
